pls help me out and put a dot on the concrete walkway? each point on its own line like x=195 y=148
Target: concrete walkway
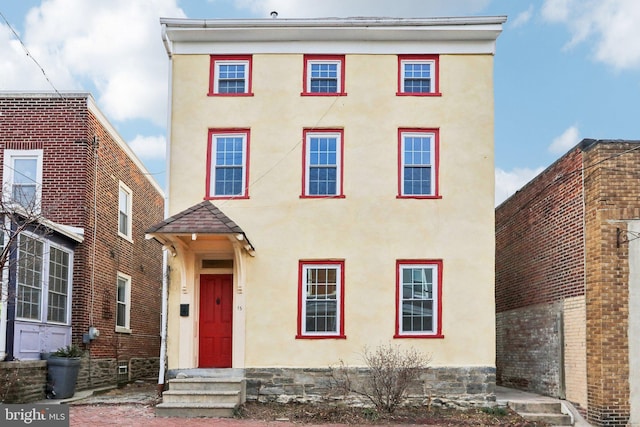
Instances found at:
x=505 y=395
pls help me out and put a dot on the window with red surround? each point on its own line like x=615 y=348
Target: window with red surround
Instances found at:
x=322 y=163
x=228 y=164
x=323 y=75
x=418 y=151
x=419 y=299
x=321 y=299
x=230 y=75
x=418 y=75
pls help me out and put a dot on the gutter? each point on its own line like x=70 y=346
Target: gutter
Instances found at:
x=165 y=250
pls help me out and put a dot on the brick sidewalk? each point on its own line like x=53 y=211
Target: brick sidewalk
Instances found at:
x=144 y=415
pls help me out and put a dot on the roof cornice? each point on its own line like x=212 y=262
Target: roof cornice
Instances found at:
x=191 y=34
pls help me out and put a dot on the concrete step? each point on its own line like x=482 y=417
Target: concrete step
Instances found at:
x=192 y=410
x=552 y=419
x=218 y=384
x=201 y=396
x=537 y=407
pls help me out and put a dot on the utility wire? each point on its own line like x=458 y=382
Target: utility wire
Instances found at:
x=562 y=178
x=24 y=47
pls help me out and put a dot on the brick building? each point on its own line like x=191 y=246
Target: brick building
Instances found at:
x=568 y=282
x=94 y=269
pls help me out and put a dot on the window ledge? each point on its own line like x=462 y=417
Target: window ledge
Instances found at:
x=121 y=330
x=436 y=94
x=125 y=237
x=321 y=337
x=323 y=93
x=417 y=197
x=226 y=197
x=337 y=196
x=437 y=336
x=231 y=95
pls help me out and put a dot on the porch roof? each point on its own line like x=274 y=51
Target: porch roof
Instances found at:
x=203 y=218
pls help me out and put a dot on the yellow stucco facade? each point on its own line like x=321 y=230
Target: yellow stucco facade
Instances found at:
x=369 y=229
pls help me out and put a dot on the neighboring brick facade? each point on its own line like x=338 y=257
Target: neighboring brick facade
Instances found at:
x=561 y=243
x=82 y=150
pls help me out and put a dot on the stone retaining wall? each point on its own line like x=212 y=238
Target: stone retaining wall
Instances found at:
x=25 y=381
x=444 y=386
x=22 y=382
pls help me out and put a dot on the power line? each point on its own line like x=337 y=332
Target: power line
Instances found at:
x=24 y=47
x=563 y=177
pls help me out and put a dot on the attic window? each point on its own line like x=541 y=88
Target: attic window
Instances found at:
x=217 y=263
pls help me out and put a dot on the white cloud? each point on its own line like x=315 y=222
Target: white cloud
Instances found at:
x=609 y=25
x=508 y=182
x=112 y=49
x=569 y=138
x=523 y=17
x=341 y=8
x=149 y=147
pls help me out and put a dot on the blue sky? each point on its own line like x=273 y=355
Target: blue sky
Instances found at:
x=564 y=69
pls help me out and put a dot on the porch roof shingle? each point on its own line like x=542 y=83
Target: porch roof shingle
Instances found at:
x=202 y=218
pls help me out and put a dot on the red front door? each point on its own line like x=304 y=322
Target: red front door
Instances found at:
x=216 y=315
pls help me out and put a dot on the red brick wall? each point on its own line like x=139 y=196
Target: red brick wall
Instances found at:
x=540 y=240
x=65 y=129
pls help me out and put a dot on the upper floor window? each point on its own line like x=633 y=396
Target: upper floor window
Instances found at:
x=418 y=163
x=23 y=178
x=123 y=303
x=124 y=211
x=418 y=75
x=324 y=75
x=44 y=273
x=321 y=302
x=322 y=174
x=227 y=158
x=419 y=299
x=230 y=75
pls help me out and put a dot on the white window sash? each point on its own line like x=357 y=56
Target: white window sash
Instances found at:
x=338 y=77
x=338 y=299
x=217 y=78
x=435 y=298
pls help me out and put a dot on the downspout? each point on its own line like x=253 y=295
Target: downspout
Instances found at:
x=4 y=298
x=165 y=253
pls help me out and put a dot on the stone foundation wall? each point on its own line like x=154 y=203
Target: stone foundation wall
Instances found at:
x=144 y=368
x=444 y=386
x=22 y=382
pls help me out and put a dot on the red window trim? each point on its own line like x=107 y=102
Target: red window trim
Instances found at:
x=210 y=151
x=438 y=263
x=436 y=161
x=340 y=190
x=435 y=58
x=307 y=58
x=300 y=334
x=212 y=77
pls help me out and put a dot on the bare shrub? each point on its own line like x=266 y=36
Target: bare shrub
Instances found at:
x=390 y=371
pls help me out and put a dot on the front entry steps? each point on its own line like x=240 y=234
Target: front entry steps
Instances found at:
x=202 y=397
x=548 y=412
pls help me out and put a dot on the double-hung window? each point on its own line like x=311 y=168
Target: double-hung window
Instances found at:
x=230 y=75
x=321 y=300
x=123 y=303
x=322 y=173
x=419 y=299
x=43 y=281
x=418 y=163
x=324 y=75
x=23 y=178
x=418 y=75
x=228 y=159
x=124 y=211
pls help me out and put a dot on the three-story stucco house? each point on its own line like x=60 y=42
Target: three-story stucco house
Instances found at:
x=331 y=187
x=81 y=272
